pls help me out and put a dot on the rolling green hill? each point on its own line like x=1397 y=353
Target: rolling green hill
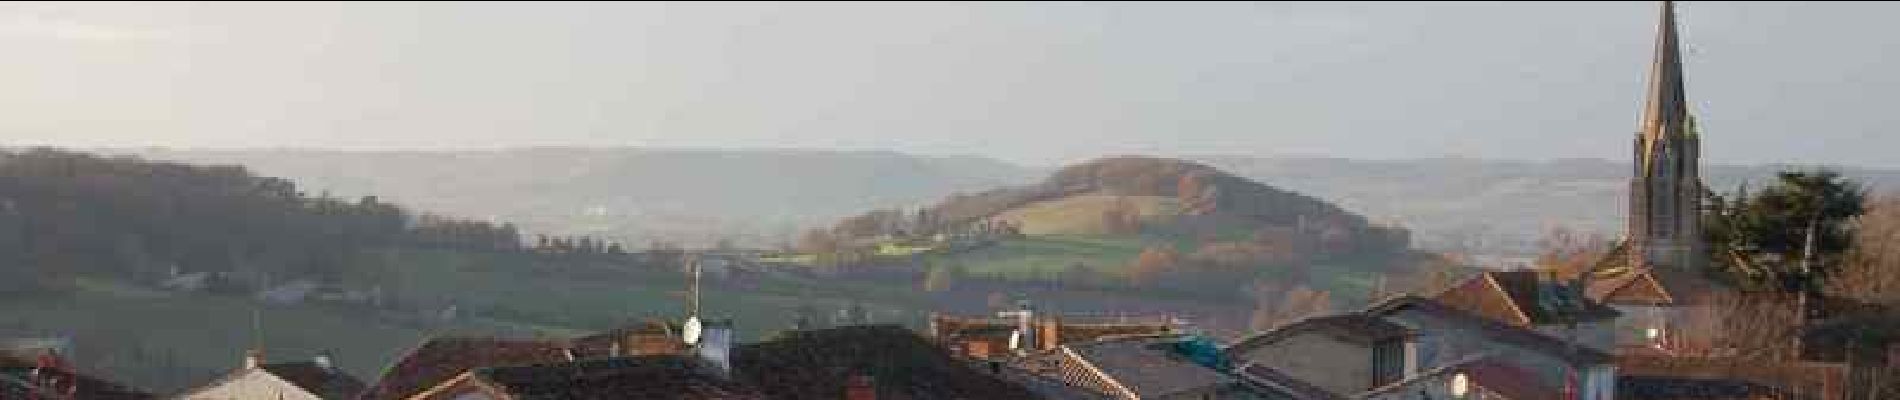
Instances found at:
x=1142 y=225
x=1082 y=214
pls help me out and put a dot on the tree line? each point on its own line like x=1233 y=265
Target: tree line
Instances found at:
x=66 y=213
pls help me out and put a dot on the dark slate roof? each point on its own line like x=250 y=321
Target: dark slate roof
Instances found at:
x=329 y=383
x=1147 y=367
x=1681 y=388
x=440 y=359
x=1284 y=385
x=642 y=377
x=815 y=364
x=601 y=344
x=1517 y=336
x=14 y=373
x=1351 y=327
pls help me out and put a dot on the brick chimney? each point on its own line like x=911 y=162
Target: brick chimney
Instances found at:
x=860 y=387
x=1049 y=334
x=253 y=358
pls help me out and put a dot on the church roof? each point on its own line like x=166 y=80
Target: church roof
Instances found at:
x=1666 y=113
x=1618 y=279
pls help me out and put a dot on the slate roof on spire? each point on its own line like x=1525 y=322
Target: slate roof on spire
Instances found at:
x=1665 y=113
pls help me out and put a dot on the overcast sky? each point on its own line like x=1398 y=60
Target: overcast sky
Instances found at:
x=1026 y=82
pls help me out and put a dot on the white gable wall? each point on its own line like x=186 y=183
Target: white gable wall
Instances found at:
x=254 y=384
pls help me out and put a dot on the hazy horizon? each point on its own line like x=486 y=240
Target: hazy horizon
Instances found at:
x=1028 y=83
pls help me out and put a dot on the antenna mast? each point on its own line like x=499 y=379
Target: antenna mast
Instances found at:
x=692 y=291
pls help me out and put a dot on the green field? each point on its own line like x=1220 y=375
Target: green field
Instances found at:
x=600 y=297
x=1082 y=214
x=1035 y=257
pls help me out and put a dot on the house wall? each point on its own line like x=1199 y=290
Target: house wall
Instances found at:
x=1441 y=342
x=248 y=385
x=1337 y=366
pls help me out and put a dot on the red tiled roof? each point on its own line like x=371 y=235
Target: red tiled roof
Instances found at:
x=1524 y=298
x=1506 y=379
x=1664 y=387
x=815 y=365
x=440 y=359
x=14 y=371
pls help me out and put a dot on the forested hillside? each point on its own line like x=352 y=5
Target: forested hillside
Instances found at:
x=631 y=195
x=64 y=214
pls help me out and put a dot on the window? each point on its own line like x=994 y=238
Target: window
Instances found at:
x=1388 y=362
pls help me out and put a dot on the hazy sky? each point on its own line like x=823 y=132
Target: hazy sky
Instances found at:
x=1027 y=82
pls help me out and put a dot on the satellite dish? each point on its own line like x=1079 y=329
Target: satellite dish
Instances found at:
x=692 y=330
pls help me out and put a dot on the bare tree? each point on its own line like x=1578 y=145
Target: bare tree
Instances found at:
x=1568 y=252
x=1872 y=270
x=1762 y=326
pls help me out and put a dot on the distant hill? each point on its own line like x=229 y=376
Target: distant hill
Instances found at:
x=1488 y=206
x=756 y=197
x=66 y=214
x=1148 y=227
x=764 y=196
x=1173 y=196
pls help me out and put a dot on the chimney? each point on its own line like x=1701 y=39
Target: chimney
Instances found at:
x=1048 y=334
x=253 y=358
x=860 y=387
x=322 y=360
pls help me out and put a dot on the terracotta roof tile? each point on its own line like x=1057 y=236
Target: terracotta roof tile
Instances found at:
x=1506 y=379
x=815 y=365
x=1525 y=297
x=14 y=371
x=440 y=359
x=1663 y=387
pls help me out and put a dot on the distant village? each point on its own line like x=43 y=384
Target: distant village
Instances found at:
x=1635 y=323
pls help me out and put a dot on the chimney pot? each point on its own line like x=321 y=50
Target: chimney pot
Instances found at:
x=253 y=358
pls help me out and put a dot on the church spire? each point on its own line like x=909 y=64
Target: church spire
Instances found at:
x=1666 y=113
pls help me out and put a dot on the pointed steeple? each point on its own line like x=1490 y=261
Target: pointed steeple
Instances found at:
x=1666 y=113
